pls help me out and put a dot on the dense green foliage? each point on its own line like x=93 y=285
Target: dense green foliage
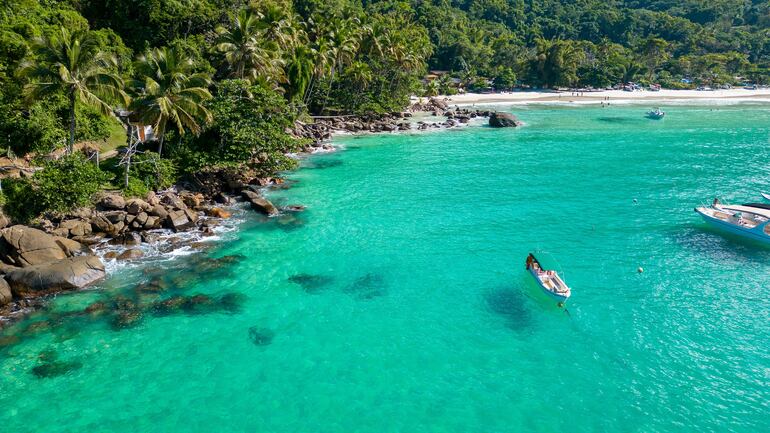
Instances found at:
x=248 y=128
x=58 y=187
x=220 y=81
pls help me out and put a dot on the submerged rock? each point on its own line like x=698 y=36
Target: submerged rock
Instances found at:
x=131 y=254
x=126 y=319
x=232 y=302
x=261 y=336
x=198 y=304
x=311 y=283
x=168 y=306
x=8 y=340
x=96 y=308
x=368 y=286
x=55 y=368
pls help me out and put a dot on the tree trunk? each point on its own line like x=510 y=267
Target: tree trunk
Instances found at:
x=160 y=144
x=71 y=142
x=128 y=169
x=331 y=83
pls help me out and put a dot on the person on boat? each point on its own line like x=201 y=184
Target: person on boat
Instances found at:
x=716 y=202
x=530 y=261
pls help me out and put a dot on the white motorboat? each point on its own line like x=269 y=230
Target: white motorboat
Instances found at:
x=748 y=220
x=548 y=280
x=657 y=113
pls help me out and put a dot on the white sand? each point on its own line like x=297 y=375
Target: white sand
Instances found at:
x=617 y=96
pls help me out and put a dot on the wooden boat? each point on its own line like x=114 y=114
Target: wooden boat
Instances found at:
x=548 y=280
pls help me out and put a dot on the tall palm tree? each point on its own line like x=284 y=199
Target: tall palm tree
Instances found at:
x=299 y=71
x=72 y=63
x=344 y=42
x=168 y=91
x=247 y=52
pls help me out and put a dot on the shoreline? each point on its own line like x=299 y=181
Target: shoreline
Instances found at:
x=420 y=119
x=611 y=96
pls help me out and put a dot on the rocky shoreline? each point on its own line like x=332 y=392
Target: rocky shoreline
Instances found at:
x=322 y=129
x=67 y=252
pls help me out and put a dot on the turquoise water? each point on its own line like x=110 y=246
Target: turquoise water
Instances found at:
x=398 y=302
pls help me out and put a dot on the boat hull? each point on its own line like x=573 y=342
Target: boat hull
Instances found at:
x=752 y=234
x=555 y=296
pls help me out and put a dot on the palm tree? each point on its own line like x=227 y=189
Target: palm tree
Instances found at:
x=168 y=91
x=299 y=72
x=343 y=45
x=72 y=63
x=247 y=53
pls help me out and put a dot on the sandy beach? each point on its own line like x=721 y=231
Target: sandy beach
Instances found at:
x=617 y=96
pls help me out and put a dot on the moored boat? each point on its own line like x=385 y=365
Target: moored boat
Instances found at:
x=657 y=113
x=548 y=280
x=748 y=220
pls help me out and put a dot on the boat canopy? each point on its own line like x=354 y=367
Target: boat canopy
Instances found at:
x=758 y=205
x=750 y=208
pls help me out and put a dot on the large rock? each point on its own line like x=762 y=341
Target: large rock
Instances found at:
x=217 y=212
x=259 y=203
x=5 y=292
x=439 y=103
x=112 y=201
x=25 y=246
x=178 y=221
x=503 y=120
x=4 y=221
x=158 y=211
x=115 y=216
x=136 y=206
x=100 y=224
x=172 y=200
x=72 y=247
x=192 y=200
x=66 y=274
x=76 y=227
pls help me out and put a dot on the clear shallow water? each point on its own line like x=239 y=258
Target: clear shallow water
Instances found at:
x=412 y=311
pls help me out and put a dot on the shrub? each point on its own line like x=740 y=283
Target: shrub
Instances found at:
x=152 y=171
x=60 y=186
x=135 y=188
x=249 y=128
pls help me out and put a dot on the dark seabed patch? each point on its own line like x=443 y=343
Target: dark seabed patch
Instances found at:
x=53 y=368
x=261 y=336
x=368 y=286
x=311 y=283
x=286 y=222
x=509 y=304
x=323 y=162
x=617 y=120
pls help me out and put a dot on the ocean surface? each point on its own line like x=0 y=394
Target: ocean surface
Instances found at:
x=398 y=300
